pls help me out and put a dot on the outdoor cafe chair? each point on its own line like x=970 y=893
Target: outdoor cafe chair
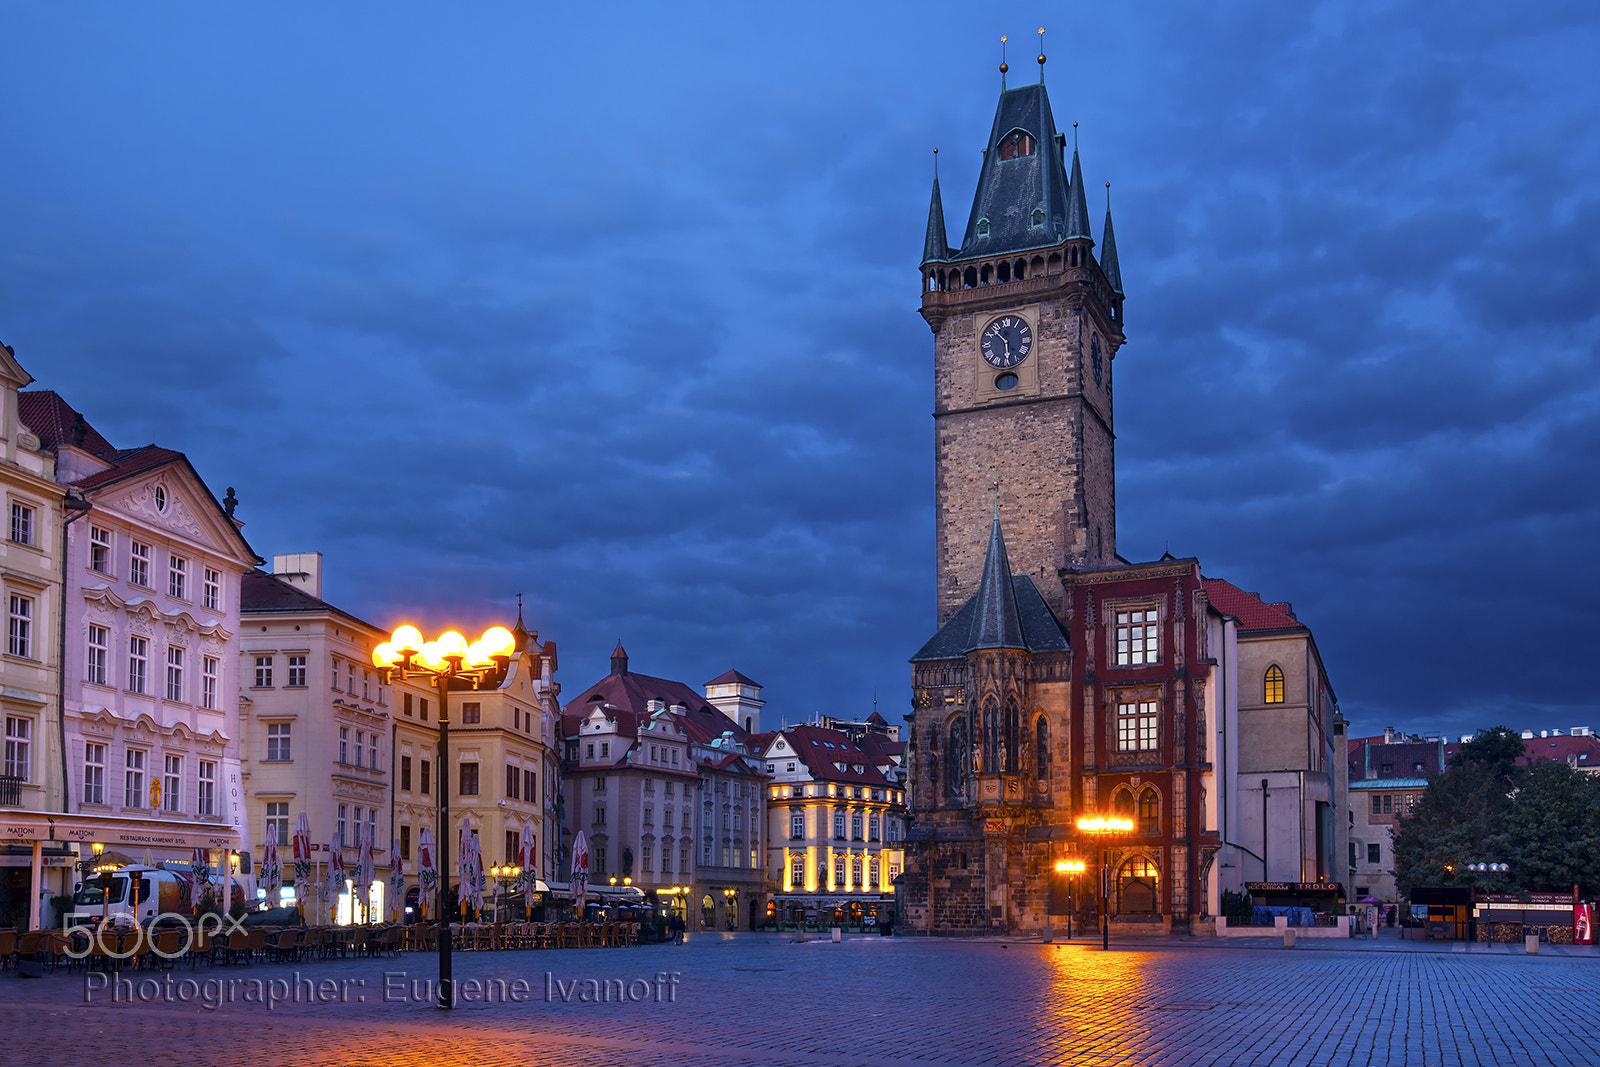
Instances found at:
x=258 y=944
x=238 y=946
x=287 y=946
x=8 y=949
x=169 y=945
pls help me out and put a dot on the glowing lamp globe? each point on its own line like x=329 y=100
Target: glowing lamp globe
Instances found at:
x=452 y=645
x=407 y=640
x=498 y=641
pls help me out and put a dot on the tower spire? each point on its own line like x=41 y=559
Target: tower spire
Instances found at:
x=1108 y=250
x=996 y=621
x=935 y=246
x=1003 y=67
x=1077 y=204
x=1041 y=55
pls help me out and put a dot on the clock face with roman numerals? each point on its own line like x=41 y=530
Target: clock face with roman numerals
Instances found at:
x=1007 y=341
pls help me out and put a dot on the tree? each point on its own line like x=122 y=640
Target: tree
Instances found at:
x=1543 y=819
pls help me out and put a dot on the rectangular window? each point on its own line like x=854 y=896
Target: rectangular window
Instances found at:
x=1374 y=854
x=350 y=669
x=138 y=661
x=605 y=750
x=99 y=550
x=208 y=682
x=21 y=524
x=94 y=773
x=600 y=815
x=422 y=708
x=469 y=780
x=263 y=672
x=530 y=783
x=344 y=744
x=855 y=826
x=838 y=824
x=99 y=642
x=211 y=591
x=19 y=747
x=599 y=861
x=725 y=859
x=838 y=872
x=1136 y=727
x=206 y=795
x=172 y=788
x=366 y=685
x=600 y=784
x=175 y=674
x=588 y=750
x=297 y=672
x=405 y=842
x=797 y=872
x=471 y=712
x=513 y=782
x=177 y=577
x=372 y=750
x=872 y=873
x=647 y=858
x=855 y=872
x=339 y=828
x=405 y=703
x=405 y=774
x=361 y=740
x=516 y=718
x=649 y=815
x=872 y=828
x=1136 y=638
x=1377 y=804
x=1388 y=804
x=422 y=778
x=797 y=826
x=649 y=785
x=334 y=673
x=133 y=779
x=139 y=563
x=278 y=822
x=20 y=636
x=512 y=848
x=278 y=741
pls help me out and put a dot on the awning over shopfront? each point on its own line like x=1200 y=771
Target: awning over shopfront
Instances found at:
x=614 y=894
x=127 y=835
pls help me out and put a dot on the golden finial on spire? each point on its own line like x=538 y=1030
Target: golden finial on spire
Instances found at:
x=1003 y=68
x=1074 y=135
x=1041 y=55
x=1108 y=198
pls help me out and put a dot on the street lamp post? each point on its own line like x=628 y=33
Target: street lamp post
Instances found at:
x=1070 y=868
x=501 y=875
x=450 y=663
x=1101 y=828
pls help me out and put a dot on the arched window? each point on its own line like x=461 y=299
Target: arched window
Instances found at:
x=1041 y=748
x=1038 y=216
x=1013 y=728
x=1016 y=145
x=1122 y=802
x=1136 y=888
x=1149 y=812
x=1272 y=686
x=983 y=227
x=991 y=737
x=956 y=755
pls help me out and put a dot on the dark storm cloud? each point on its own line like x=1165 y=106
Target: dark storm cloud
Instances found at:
x=486 y=306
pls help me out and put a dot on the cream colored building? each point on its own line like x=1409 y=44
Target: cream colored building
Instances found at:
x=30 y=593
x=326 y=735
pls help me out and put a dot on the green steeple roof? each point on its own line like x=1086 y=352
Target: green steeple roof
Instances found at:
x=1077 y=204
x=1108 y=254
x=935 y=248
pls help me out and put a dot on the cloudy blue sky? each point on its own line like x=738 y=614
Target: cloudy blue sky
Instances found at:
x=615 y=305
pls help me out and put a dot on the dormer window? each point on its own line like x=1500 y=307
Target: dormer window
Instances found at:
x=983 y=227
x=1038 y=217
x=1016 y=144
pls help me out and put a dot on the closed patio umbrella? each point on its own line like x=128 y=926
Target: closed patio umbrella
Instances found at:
x=469 y=871
x=200 y=877
x=397 y=882
x=528 y=860
x=271 y=871
x=427 y=871
x=580 y=870
x=302 y=861
x=366 y=871
x=336 y=877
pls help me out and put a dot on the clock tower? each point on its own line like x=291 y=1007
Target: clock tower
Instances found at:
x=1026 y=319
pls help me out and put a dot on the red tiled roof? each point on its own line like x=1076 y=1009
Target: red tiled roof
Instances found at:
x=46 y=414
x=1252 y=612
x=732 y=677
x=821 y=749
x=631 y=693
x=127 y=464
x=263 y=593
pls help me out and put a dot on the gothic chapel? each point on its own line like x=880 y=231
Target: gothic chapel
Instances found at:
x=1063 y=680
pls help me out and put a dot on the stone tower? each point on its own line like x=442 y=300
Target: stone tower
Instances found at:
x=1026 y=322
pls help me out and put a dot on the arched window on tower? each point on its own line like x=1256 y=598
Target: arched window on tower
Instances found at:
x=956 y=755
x=1016 y=145
x=1149 y=812
x=1122 y=803
x=1038 y=216
x=1041 y=748
x=991 y=736
x=1272 y=686
x=1136 y=888
x=1013 y=727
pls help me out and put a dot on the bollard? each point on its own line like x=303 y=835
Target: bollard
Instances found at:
x=1288 y=937
x=835 y=935
x=1531 y=944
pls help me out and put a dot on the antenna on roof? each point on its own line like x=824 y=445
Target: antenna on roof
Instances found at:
x=935 y=164
x=1041 y=55
x=997 y=499
x=1003 y=67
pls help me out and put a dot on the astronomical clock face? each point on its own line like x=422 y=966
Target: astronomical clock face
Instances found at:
x=1007 y=341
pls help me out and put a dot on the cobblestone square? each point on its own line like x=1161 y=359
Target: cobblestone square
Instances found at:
x=765 y=999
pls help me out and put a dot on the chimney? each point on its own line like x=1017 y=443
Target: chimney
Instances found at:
x=1388 y=735
x=303 y=570
x=619 y=659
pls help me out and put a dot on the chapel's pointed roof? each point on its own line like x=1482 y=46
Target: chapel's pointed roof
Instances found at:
x=996 y=622
x=1108 y=255
x=1078 y=203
